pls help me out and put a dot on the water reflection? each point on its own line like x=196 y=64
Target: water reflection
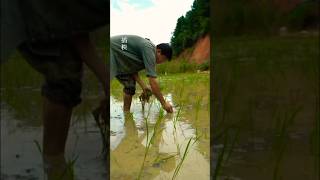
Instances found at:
x=21 y=127
x=131 y=134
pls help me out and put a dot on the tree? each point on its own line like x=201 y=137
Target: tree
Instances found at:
x=191 y=27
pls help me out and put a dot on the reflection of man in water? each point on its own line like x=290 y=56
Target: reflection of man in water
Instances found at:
x=127 y=158
x=53 y=37
x=128 y=55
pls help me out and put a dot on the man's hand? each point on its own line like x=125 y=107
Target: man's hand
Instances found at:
x=156 y=91
x=147 y=89
x=167 y=106
x=140 y=81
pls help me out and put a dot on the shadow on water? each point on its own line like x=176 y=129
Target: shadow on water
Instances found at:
x=150 y=144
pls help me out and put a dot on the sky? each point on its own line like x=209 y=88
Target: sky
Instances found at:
x=153 y=19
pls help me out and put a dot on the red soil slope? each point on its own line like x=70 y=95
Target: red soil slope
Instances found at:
x=200 y=51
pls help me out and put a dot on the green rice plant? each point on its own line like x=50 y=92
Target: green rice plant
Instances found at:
x=38 y=146
x=198 y=136
x=175 y=142
x=160 y=160
x=176 y=118
x=161 y=113
x=229 y=143
x=176 y=171
x=180 y=103
x=197 y=107
x=69 y=170
x=146 y=120
x=103 y=131
x=40 y=151
x=147 y=130
x=219 y=163
x=150 y=141
x=281 y=140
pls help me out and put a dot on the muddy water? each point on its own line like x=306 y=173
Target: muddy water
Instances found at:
x=151 y=143
x=21 y=127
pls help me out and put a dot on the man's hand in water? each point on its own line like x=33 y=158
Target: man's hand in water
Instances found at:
x=147 y=90
x=167 y=106
x=156 y=91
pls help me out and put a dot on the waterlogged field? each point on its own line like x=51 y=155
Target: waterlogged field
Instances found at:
x=21 y=126
x=151 y=144
x=266 y=108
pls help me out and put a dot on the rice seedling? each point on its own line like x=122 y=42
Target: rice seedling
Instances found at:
x=226 y=151
x=176 y=118
x=281 y=139
x=103 y=128
x=197 y=107
x=177 y=170
x=145 y=97
x=103 y=131
x=180 y=104
x=150 y=141
x=161 y=160
x=68 y=165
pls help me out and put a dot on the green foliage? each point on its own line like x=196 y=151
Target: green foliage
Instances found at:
x=191 y=26
x=263 y=17
x=204 y=66
x=233 y=17
x=177 y=66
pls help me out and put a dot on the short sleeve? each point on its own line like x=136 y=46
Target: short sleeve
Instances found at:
x=149 y=59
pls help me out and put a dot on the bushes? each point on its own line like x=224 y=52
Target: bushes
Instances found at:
x=204 y=66
x=263 y=17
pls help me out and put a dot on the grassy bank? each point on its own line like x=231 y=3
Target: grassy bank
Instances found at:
x=181 y=66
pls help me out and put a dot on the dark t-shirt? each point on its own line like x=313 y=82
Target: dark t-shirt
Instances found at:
x=130 y=54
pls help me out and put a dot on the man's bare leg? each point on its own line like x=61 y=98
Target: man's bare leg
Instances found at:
x=127 y=98
x=56 y=120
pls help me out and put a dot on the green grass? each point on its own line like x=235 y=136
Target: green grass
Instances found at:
x=181 y=66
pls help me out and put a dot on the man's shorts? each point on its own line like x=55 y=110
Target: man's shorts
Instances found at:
x=128 y=82
x=61 y=67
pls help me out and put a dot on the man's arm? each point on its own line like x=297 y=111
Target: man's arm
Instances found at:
x=156 y=91
x=140 y=82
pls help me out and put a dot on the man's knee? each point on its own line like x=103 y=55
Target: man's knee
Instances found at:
x=66 y=92
x=129 y=90
x=62 y=71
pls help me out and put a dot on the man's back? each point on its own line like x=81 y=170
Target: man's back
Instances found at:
x=130 y=54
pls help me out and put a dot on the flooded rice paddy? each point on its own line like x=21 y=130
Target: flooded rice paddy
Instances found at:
x=144 y=145
x=21 y=127
x=151 y=144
